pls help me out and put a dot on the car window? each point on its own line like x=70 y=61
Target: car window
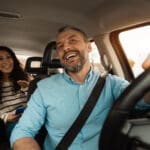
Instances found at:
x=136 y=45
x=94 y=55
x=95 y=58
x=22 y=59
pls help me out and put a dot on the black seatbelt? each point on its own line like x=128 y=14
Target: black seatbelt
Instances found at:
x=82 y=117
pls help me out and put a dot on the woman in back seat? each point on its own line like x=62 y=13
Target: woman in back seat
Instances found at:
x=13 y=87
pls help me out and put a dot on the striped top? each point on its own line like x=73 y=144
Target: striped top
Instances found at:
x=11 y=99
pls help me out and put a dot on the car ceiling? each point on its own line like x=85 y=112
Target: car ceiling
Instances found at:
x=39 y=19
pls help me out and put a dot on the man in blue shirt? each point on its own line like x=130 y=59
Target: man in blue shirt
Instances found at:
x=58 y=99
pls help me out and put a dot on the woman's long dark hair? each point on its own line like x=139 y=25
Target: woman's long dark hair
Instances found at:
x=17 y=73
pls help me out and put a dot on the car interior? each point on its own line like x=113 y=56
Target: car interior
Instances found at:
x=30 y=27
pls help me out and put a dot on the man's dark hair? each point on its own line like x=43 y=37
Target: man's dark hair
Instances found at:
x=68 y=27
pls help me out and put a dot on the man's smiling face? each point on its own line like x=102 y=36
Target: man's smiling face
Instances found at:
x=72 y=50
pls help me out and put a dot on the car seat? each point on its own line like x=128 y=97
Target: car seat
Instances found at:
x=33 y=69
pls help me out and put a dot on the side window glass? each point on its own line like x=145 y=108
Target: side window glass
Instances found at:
x=22 y=59
x=95 y=58
x=94 y=55
x=136 y=45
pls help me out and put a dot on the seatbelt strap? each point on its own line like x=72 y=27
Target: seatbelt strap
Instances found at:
x=82 y=117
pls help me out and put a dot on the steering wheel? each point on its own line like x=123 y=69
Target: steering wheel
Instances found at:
x=111 y=137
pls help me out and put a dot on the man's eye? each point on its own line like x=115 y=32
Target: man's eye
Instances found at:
x=59 y=46
x=73 y=41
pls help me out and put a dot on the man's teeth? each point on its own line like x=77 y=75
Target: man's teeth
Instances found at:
x=71 y=55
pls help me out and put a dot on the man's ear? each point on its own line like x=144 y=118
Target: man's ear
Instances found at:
x=89 y=46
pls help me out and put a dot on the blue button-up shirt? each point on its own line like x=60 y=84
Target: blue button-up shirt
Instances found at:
x=57 y=102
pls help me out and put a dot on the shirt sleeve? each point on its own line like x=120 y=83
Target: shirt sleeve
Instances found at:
x=31 y=120
x=119 y=85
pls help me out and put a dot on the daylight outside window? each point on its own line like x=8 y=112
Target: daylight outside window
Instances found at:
x=22 y=59
x=95 y=58
x=136 y=45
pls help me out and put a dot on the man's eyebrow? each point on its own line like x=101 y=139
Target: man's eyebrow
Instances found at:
x=71 y=36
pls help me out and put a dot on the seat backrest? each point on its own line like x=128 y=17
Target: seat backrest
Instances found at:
x=32 y=69
x=50 y=59
x=49 y=65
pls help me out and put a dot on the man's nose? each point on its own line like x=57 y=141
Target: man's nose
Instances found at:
x=67 y=46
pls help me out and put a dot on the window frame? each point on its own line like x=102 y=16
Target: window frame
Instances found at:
x=114 y=39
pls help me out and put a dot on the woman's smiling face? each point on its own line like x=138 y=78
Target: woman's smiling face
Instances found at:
x=6 y=62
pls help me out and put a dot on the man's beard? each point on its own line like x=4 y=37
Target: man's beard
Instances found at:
x=77 y=67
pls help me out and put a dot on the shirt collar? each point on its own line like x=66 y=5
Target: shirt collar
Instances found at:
x=89 y=77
